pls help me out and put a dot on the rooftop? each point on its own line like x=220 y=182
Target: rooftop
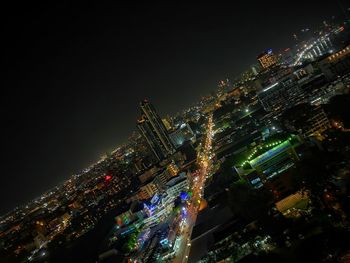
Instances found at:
x=268 y=148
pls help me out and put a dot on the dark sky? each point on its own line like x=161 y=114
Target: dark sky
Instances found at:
x=75 y=74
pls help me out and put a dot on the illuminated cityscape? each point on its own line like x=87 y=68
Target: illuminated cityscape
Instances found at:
x=258 y=170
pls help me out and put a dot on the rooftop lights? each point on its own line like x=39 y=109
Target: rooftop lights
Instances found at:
x=260 y=147
x=270 y=87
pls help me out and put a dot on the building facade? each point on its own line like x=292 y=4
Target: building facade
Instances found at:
x=336 y=64
x=182 y=134
x=267 y=59
x=154 y=132
x=147 y=191
x=177 y=184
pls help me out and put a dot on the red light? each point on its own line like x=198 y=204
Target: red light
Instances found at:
x=108 y=178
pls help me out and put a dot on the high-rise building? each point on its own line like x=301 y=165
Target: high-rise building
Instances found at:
x=306 y=119
x=182 y=134
x=254 y=70
x=153 y=131
x=177 y=184
x=147 y=191
x=162 y=178
x=168 y=123
x=336 y=64
x=280 y=95
x=267 y=59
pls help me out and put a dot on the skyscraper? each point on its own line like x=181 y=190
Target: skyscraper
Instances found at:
x=154 y=132
x=267 y=59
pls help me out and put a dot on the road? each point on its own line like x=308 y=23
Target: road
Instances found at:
x=204 y=161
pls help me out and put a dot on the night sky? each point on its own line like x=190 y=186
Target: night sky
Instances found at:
x=75 y=74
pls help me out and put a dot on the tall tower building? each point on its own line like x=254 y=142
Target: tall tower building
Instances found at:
x=153 y=131
x=267 y=59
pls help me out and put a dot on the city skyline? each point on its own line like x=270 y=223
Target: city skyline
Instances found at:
x=75 y=118
x=174 y=133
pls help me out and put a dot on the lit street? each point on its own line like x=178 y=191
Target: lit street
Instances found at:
x=204 y=161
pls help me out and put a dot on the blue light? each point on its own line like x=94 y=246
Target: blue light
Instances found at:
x=164 y=242
x=184 y=196
x=255 y=181
x=149 y=209
x=155 y=199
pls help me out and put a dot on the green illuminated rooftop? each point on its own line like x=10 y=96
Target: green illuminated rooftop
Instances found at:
x=258 y=152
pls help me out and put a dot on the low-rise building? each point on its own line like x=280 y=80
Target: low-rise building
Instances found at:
x=177 y=184
x=268 y=160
